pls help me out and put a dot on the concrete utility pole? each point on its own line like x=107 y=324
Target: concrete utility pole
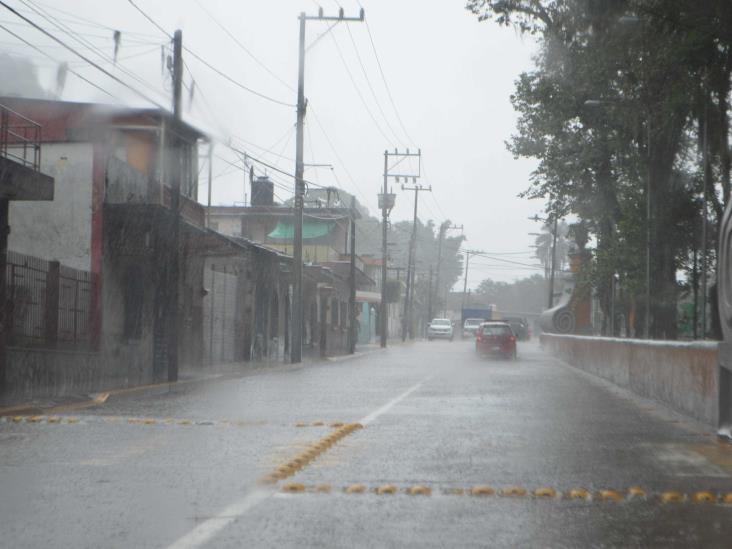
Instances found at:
x=554 y=260
x=468 y=253
x=408 y=302
x=386 y=203
x=174 y=278
x=444 y=227
x=352 y=333
x=429 y=298
x=297 y=304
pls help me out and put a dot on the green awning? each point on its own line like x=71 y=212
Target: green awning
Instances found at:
x=285 y=230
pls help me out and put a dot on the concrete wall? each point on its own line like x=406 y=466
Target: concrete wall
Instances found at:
x=58 y=229
x=684 y=376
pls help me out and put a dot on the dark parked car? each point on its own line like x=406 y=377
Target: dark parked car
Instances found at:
x=496 y=338
x=520 y=327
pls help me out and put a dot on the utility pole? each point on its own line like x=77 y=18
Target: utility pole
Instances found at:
x=444 y=227
x=174 y=276
x=408 y=302
x=210 y=183
x=297 y=304
x=468 y=253
x=429 y=298
x=705 y=178
x=353 y=335
x=554 y=259
x=386 y=203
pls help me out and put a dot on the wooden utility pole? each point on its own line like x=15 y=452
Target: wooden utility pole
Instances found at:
x=444 y=227
x=174 y=278
x=297 y=304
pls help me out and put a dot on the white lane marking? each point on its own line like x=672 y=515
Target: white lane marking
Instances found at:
x=205 y=531
x=386 y=407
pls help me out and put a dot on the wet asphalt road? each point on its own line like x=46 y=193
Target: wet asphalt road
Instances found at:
x=183 y=467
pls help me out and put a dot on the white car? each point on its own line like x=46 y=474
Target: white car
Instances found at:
x=471 y=326
x=440 y=328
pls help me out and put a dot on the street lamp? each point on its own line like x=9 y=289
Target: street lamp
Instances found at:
x=599 y=103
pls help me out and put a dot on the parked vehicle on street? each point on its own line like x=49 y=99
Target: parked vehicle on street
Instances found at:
x=496 y=339
x=440 y=328
x=470 y=326
x=520 y=327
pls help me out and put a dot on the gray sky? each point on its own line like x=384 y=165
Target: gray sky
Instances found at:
x=450 y=77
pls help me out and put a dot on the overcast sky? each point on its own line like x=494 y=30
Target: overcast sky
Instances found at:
x=450 y=77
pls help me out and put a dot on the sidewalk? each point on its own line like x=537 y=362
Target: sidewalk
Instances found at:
x=203 y=374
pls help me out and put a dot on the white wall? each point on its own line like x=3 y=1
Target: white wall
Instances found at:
x=60 y=229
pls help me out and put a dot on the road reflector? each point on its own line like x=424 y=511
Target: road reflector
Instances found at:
x=317 y=424
x=513 y=491
x=419 y=490
x=545 y=492
x=482 y=491
x=293 y=487
x=578 y=493
x=17 y=419
x=387 y=489
x=610 y=495
x=637 y=492
x=704 y=497
x=727 y=498
x=672 y=497
x=301 y=424
x=356 y=489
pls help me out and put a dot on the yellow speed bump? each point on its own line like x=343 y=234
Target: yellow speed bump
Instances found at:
x=293 y=487
x=285 y=470
x=419 y=490
x=513 y=491
x=72 y=420
x=355 y=489
x=268 y=479
x=34 y=419
x=317 y=423
x=704 y=497
x=672 y=497
x=54 y=419
x=545 y=492
x=637 y=492
x=727 y=498
x=17 y=419
x=387 y=489
x=610 y=495
x=322 y=488
x=482 y=491
x=579 y=493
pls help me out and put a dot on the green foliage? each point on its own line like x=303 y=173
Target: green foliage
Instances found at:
x=615 y=110
x=527 y=295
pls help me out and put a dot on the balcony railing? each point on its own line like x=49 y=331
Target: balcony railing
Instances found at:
x=20 y=138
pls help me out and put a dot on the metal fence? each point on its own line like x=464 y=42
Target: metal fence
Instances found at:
x=20 y=138
x=48 y=304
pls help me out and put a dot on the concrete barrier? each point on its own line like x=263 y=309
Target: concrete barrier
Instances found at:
x=682 y=375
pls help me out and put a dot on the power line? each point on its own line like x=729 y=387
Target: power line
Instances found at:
x=244 y=48
x=210 y=66
x=371 y=88
x=358 y=90
x=81 y=55
x=72 y=71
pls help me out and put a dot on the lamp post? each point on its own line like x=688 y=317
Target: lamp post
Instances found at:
x=600 y=103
